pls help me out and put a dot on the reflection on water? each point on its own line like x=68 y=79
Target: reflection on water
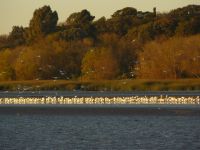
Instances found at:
x=99 y=132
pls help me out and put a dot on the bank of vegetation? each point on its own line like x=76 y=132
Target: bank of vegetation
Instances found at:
x=131 y=44
x=102 y=85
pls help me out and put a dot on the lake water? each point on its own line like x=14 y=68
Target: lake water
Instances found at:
x=102 y=131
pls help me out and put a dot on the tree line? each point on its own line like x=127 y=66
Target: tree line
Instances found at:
x=129 y=44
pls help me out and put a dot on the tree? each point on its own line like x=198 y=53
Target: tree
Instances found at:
x=3 y=41
x=101 y=25
x=185 y=13
x=122 y=20
x=73 y=33
x=49 y=59
x=122 y=49
x=109 y=40
x=69 y=57
x=16 y=36
x=190 y=27
x=6 y=69
x=44 y=21
x=146 y=33
x=165 y=26
x=79 y=25
x=127 y=11
x=99 y=64
x=126 y=54
x=170 y=59
x=78 y=18
x=28 y=64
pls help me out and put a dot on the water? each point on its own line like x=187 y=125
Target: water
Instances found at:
x=104 y=132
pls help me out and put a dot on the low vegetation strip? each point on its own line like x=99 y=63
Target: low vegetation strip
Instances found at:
x=104 y=85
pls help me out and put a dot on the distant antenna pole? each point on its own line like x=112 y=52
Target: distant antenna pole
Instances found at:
x=154 y=11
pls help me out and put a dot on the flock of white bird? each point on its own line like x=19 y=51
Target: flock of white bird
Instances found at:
x=102 y=100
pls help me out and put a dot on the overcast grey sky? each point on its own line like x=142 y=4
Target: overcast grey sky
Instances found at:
x=19 y=12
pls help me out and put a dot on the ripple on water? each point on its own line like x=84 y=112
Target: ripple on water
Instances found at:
x=99 y=132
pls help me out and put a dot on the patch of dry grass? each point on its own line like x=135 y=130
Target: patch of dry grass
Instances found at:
x=105 y=85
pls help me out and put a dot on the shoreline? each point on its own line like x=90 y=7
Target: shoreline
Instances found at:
x=10 y=94
x=103 y=85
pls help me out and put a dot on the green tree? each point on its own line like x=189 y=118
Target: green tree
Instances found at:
x=101 y=25
x=165 y=26
x=127 y=11
x=17 y=36
x=69 y=57
x=78 y=18
x=190 y=27
x=73 y=33
x=145 y=33
x=44 y=21
x=185 y=13
x=122 y=20
x=3 y=41
x=126 y=54
x=123 y=50
x=78 y=26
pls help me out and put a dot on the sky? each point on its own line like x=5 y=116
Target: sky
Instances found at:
x=19 y=12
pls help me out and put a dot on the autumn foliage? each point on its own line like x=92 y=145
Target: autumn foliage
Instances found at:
x=99 y=64
x=129 y=44
x=178 y=57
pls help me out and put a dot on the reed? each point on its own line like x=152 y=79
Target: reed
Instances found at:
x=104 y=85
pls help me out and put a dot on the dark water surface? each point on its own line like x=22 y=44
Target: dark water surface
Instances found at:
x=103 y=131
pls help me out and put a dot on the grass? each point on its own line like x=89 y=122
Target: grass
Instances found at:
x=105 y=85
